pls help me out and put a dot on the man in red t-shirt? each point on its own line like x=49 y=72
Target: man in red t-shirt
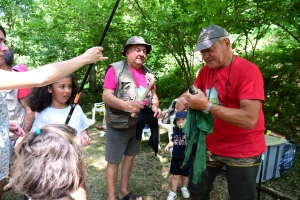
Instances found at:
x=232 y=90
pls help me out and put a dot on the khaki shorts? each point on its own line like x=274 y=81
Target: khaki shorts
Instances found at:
x=120 y=142
x=219 y=161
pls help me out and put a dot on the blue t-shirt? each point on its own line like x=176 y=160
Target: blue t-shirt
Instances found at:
x=178 y=138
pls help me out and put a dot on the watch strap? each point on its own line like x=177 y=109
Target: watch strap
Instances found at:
x=207 y=109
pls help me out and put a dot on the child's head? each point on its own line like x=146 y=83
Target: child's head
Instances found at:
x=180 y=119
x=62 y=91
x=48 y=163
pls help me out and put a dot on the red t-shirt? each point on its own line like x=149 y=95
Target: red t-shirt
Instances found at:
x=245 y=82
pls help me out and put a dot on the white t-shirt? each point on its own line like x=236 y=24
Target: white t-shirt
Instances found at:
x=50 y=115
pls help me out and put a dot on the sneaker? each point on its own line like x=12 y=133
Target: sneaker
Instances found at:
x=102 y=133
x=185 y=192
x=172 y=195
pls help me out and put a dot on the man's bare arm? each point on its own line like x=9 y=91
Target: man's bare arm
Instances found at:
x=246 y=116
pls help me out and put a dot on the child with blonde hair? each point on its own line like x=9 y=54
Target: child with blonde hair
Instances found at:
x=49 y=163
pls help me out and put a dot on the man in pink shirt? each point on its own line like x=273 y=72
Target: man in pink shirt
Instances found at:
x=124 y=84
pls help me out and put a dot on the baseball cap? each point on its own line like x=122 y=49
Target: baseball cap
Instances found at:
x=182 y=114
x=209 y=35
x=178 y=115
x=20 y=68
x=136 y=40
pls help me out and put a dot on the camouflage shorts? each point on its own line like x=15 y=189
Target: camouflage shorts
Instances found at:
x=219 y=161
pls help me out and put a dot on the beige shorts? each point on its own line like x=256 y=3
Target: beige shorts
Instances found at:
x=219 y=161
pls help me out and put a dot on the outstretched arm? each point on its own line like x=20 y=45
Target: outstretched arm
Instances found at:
x=49 y=73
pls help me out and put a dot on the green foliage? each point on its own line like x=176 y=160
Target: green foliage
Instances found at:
x=45 y=31
x=87 y=100
x=170 y=86
x=280 y=69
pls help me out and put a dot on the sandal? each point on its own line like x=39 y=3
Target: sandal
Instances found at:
x=131 y=196
x=101 y=128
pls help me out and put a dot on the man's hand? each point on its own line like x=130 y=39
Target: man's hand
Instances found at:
x=181 y=103
x=198 y=101
x=16 y=129
x=157 y=111
x=135 y=106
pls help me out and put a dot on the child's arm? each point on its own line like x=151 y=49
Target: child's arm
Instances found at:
x=169 y=145
x=85 y=138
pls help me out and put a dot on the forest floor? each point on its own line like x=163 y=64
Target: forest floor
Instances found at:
x=150 y=176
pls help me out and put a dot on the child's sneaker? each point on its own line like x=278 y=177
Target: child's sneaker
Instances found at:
x=172 y=195
x=185 y=192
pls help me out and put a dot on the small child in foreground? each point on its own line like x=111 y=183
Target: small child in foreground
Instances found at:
x=49 y=163
x=179 y=145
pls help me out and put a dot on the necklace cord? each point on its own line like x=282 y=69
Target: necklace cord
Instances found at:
x=227 y=82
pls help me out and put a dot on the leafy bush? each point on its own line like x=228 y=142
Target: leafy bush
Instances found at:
x=170 y=86
x=280 y=69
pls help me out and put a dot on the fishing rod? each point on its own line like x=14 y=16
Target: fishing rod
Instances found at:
x=91 y=65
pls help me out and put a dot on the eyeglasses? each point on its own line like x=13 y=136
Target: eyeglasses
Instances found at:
x=209 y=50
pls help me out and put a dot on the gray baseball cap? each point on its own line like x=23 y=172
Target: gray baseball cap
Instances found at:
x=209 y=35
x=136 y=40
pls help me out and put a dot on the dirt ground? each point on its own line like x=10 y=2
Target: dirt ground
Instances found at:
x=150 y=176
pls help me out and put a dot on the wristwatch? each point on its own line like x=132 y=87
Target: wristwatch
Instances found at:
x=207 y=109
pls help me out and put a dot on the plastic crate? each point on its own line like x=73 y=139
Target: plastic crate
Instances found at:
x=272 y=158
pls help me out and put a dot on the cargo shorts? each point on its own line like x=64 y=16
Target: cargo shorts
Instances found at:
x=120 y=142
